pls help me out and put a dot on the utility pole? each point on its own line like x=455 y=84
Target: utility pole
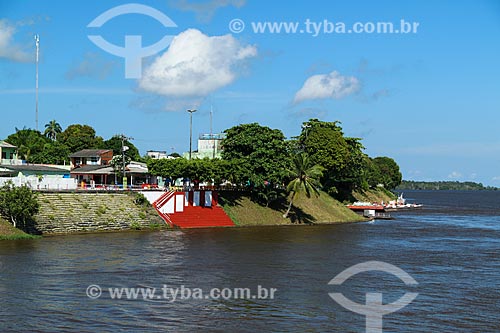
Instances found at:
x=191 y=131
x=124 y=149
x=37 y=44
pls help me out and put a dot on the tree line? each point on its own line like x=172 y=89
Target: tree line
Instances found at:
x=54 y=145
x=261 y=158
x=444 y=185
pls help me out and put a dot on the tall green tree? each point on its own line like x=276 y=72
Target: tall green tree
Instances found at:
x=53 y=153
x=18 y=204
x=305 y=178
x=77 y=137
x=261 y=151
x=168 y=168
x=29 y=142
x=52 y=129
x=389 y=174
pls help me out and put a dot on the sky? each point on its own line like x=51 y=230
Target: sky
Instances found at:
x=429 y=97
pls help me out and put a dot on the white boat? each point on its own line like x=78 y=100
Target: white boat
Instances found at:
x=400 y=203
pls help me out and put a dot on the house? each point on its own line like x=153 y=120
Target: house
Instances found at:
x=157 y=154
x=91 y=157
x=104 y=175
x=8 y=154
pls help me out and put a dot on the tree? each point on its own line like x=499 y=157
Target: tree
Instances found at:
x=52 y=129
x=53 y=153
x=28 y=141
x=117 y=164
x=18 y=204
x=325 y=144
x=261 y=151
x=389 y=173
x=305 y=178
x=115 y=144
x=168 y=168
x=77 y=137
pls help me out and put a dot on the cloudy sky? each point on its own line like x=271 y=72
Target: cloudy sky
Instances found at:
x=428 y=97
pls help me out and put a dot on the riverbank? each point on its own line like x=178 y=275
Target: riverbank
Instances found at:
x=71 y=213
x=245 y=211
x=8 y=232
x=63 y=213
x=375 y=195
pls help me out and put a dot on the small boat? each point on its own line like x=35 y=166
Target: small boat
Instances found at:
x=400 y=204
x=362 y=206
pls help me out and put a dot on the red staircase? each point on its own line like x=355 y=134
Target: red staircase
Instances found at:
x=192 y=216
x=201 y=217
x=162 y=200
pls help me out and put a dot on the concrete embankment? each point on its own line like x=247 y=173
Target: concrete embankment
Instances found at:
x=78 y=212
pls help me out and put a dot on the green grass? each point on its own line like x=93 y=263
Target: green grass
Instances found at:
x=323 y=209
x=8 y=232
x=375 y=195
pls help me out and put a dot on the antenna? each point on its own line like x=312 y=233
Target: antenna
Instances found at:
x=212 y=137
x=37 y=44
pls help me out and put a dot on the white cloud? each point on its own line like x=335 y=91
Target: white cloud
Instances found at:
x=332 y=85
x=455 y=175
x=8 y=48
x=205 y=10
x=195 y=65
x=496 y=178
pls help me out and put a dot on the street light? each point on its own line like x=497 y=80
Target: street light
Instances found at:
x=190 y=131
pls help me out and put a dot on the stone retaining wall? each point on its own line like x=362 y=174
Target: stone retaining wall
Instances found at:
x=92 y=212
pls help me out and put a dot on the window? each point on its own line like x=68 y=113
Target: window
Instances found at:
x=93 y=160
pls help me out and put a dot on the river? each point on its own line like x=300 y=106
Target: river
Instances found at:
x=451 y=248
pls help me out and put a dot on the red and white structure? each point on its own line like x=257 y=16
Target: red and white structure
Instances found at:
x=189 y=209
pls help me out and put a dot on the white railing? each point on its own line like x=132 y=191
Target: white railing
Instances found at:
x=15 y=161
x=46 y=183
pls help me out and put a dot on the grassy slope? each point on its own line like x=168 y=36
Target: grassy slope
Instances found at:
x=7 y=231
x=377 y=195
x=324 y=209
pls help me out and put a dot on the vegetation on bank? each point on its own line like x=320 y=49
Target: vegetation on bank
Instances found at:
x=246 y=209
x=18 y=204
x=55 y=145
x=8 y=232
x=444 y=185
x=377 y=195
x=259 y=159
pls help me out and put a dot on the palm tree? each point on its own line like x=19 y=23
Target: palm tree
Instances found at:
x=52 y=128
x=305 y=178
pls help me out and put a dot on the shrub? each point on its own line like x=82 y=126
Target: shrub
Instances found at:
x=18 y=204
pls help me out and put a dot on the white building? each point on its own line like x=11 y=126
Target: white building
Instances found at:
x=209 y=145
x=157 y=154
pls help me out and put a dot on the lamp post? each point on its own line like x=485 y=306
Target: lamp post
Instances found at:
x=190 y=131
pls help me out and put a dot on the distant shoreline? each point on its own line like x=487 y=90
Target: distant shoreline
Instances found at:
x=443 y=186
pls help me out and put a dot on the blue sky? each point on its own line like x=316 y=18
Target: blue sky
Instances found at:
x=429 y=99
